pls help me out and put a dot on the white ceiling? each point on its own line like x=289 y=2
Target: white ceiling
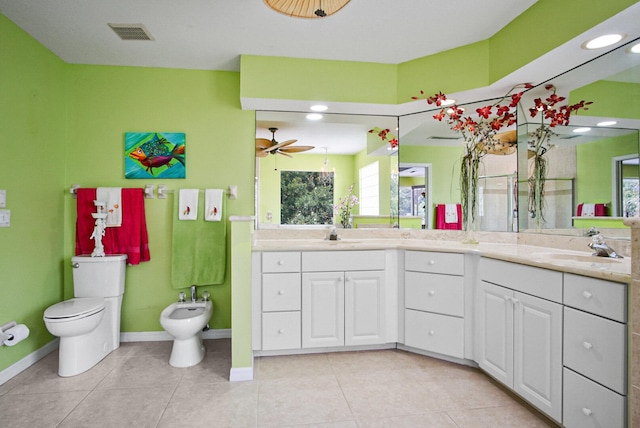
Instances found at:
x=212 y=34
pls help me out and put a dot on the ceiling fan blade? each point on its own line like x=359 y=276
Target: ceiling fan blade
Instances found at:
x=284 y=154
x=277 y=146
x=262 y=143
x=296 y=149
x=261 y=153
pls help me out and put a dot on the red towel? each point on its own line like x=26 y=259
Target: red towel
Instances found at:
x=131 y=238
x=441 y=224
x=600 y=209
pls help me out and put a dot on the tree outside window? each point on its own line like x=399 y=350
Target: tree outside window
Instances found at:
x=306 y=197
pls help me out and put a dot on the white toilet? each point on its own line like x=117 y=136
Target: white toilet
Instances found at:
x=185 y=321
x=89 y=324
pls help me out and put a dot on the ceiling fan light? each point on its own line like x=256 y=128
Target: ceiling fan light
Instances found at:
x=306 y=8
x=603 y=41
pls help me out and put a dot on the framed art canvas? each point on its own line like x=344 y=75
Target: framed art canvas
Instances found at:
x=155 y=155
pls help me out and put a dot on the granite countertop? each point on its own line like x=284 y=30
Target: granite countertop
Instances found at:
x=565 y=260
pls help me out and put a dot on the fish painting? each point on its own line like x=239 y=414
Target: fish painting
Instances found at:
x=158 y=152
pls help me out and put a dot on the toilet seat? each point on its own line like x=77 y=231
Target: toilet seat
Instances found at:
x=76 y=308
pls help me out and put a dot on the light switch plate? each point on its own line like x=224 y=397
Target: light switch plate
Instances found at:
x=5 y=218
x=3 y=198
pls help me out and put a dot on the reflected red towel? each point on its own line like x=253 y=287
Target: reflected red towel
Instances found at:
x=131 y=238
x=441 y=224
x=601 y=210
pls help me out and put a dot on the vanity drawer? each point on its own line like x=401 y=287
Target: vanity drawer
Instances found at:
x=327 y=261
x=543 y=283
x=596 y=348
x=281 y=262
x=443 y=294
x=281 y=292
x=281 y=330
x=430 y=262
x=600 y=297
x=435 y=333
x=589 y=405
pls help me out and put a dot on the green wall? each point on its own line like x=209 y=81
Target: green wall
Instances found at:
x=32 y=119
x=104 y=103
x=593 y=175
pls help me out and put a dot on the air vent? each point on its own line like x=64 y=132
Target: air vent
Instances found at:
x=435 y=137
x=569 y=137
x=131 y=31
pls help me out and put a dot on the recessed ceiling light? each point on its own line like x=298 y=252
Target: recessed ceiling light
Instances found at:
x=603 y=41
x=314 y=116
x=448 y=102
x=634 y=49
x=581 y=130
x=319 y=107
x=606 y=123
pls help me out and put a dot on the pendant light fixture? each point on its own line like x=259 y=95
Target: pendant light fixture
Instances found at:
x=306 y=8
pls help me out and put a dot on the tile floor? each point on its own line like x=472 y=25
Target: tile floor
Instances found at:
x=135 y=387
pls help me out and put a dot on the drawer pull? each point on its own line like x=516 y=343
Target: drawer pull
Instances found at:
x=431 y=332
x=280 y=262
x=281 y=292
x=587 y=412
x=432 y=262
x=587 y=295
x=587 y=345
x=281 y=331
x=432 y=292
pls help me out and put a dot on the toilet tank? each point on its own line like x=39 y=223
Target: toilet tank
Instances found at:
x=98 y=276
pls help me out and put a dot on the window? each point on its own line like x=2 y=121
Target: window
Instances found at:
x=369 y=190
x=306 y=197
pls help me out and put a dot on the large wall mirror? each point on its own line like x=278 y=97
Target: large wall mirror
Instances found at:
x=592 y=164
x=587 y=169
x=300 y=188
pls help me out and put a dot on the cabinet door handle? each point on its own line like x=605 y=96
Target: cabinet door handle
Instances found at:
x=281 y=331
x=432 y=292
x=587 y=412
x=515 y=301
x=507 y=298
x=432 y=262
x=281 y=292
x=348 y=278
x=587 y=345
x=587 y=294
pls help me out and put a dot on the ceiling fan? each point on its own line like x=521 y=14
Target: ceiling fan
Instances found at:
x=265 y=146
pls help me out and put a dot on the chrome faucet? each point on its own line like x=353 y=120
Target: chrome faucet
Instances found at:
x=602 y=249
x=333 y=234
x=194 y=293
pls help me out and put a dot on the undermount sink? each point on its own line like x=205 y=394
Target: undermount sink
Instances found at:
x=577 y=258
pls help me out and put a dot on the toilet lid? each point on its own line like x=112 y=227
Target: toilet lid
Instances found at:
x=79 y=306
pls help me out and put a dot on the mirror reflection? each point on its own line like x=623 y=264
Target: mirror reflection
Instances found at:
x=334 y=161
x=433 y=144
x=592 y=174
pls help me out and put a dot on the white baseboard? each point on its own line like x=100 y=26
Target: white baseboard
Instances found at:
x=26 y=362
x=158 y=336
x=240 y=374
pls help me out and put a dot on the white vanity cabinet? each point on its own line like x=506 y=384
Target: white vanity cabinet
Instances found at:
x=434 y=302
x=595 y=352
x=518 y=337
x=281 y=301
x=343 y=298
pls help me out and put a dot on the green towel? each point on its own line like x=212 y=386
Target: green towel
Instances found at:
x=199 y=248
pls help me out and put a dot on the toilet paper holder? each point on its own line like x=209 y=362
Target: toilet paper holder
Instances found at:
x=5 y=336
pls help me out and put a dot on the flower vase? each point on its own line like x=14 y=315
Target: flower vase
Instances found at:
x=470 y=211
x=536 y=191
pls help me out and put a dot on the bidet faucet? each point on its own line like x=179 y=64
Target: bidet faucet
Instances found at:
x=194 y=293
x=602 y=249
